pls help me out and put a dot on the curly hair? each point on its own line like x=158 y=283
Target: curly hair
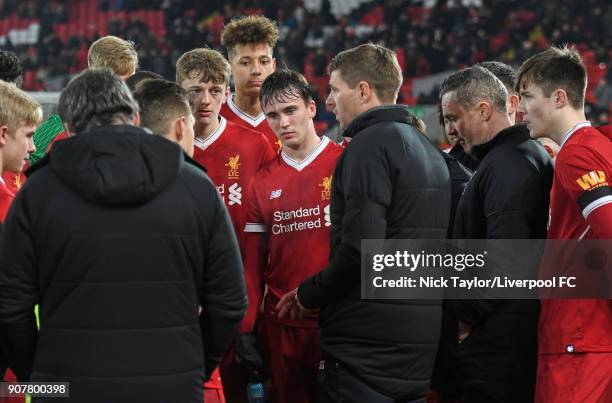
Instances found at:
x=11 y=69
x=252 y=29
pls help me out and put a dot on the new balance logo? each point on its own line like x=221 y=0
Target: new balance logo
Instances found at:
x=235 y=194
x=275 y=194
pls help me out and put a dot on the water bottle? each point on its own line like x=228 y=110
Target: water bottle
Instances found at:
x=255 y=392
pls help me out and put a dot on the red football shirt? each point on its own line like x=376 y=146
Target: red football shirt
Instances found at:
x=580 y=208
x=232 y=113
x=232 y=155
x=289 y=201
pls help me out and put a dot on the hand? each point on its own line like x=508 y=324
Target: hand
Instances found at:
x=464 y=331
x=290 y=305
x=249 y=357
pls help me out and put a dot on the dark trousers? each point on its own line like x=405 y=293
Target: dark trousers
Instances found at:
x=336 y=384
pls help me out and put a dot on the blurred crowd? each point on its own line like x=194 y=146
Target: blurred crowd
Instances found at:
x=430 y=37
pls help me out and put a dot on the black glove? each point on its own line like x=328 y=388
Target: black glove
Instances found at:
x=249 y=357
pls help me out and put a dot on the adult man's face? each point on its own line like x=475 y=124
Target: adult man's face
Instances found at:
x=251 y=64
x=17 y=147
x=291 y=120
x=537 y=110
x=207 y=99
x=342 y=100
x=461 y=123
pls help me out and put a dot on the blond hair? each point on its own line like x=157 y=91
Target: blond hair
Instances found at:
x=17 y=108
x=115 y=53
x=205 y=64
x=249 y=30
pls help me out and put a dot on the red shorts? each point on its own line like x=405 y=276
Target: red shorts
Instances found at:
x=293 y=355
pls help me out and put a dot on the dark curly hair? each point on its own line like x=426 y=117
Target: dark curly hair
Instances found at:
x=252 y=29
x=11 y=69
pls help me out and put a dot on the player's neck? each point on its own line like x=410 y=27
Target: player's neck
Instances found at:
x=567 y=121
x=306 y=148
x=248 y=104
x=204 y=132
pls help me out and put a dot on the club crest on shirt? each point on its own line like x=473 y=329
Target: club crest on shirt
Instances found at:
x=326 y=185
x=233 y=163
x=592 y=180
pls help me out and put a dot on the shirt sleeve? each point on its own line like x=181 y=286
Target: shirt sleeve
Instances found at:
x=584 y=174
x=255 y=257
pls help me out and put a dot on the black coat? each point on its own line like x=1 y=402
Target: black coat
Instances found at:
x=119 y=240
x=507 y=198
x=389 y=183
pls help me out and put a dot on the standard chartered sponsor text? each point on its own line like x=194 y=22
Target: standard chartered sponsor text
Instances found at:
x=300 y=219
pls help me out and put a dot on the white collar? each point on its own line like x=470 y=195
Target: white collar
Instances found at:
x=573 y=130
x=243 y=115
x=204 y=144
x=311 y=157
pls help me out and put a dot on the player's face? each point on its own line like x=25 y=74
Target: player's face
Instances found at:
x=460 y=123
x=342 y=100
x=291 y=120
x=17 y=147
x=537 y=111
x=207 y=100
x=251 y=64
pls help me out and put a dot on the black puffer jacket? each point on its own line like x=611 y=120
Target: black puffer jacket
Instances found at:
x=390 y=183
x=507 y=198
x=119 y=240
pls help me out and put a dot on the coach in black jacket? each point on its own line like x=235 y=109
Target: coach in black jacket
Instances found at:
x=390 y=183
x=120 y=240
x=488 y=347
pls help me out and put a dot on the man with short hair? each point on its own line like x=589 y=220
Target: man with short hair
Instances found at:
x=11 y=68
x=120 y=240
x=389 y=183
x=575 y=336
x=232 y=154
x=115 y=53
x=250 y=42
x=297 y=180
x=19 y=116
x=507 y=198
x=167 y=110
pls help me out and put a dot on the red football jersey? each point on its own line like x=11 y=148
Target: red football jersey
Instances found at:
x=231 y=112
x=580 y=208
x=6 y=198
x=289 y=201
x=232 y=155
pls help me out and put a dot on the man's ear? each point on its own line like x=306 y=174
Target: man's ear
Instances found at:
x=4 y=131
x=559 y=96
x=364 y=91
x=485 y=110
x=136 y=119
x=179 y=128
x=513 y=101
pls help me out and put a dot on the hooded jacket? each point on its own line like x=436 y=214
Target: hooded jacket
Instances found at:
x=119 y=239
x=389 y=183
